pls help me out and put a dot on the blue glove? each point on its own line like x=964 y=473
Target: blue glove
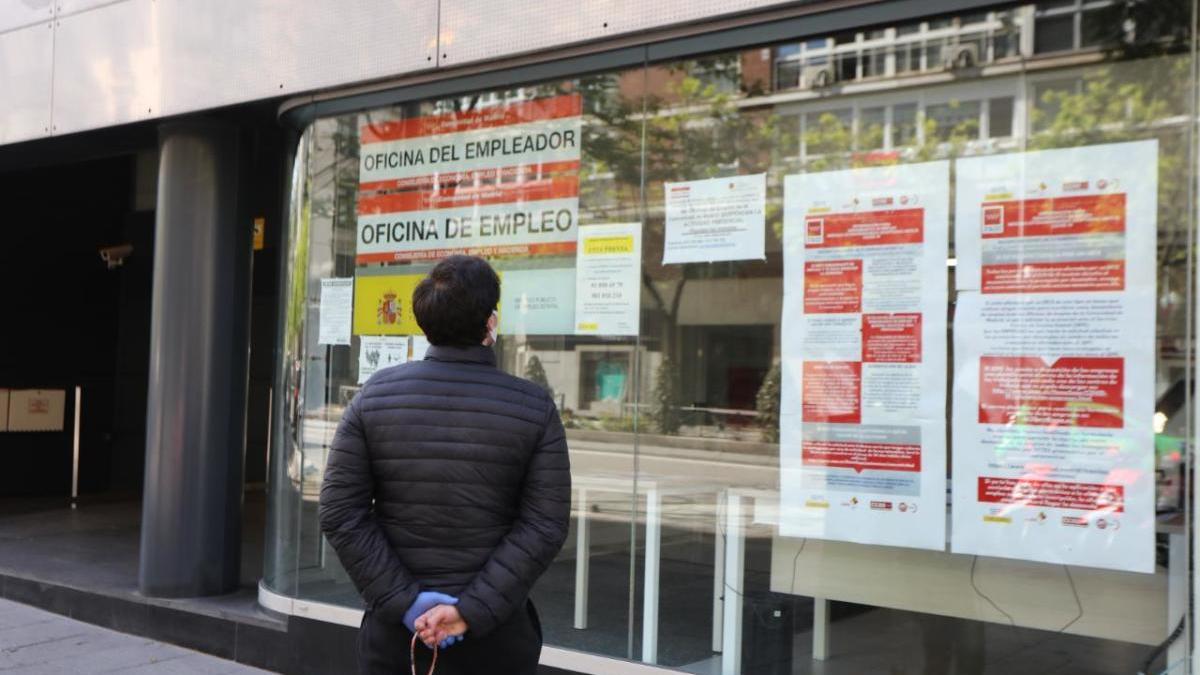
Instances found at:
x=426 y=600
x=453 y=639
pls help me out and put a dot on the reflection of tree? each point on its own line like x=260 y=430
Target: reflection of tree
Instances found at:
x=691 y=128
x=766 y=404
x=1148 y=97
x=535 y=372
x=665 y=398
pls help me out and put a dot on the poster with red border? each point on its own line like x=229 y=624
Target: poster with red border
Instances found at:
x=498 y=180
x=863 y=388
x=1054 y=356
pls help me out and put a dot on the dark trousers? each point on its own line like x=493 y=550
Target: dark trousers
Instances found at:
x=512 y=649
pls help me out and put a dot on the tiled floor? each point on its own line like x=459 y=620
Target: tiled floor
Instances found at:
x=36 y=642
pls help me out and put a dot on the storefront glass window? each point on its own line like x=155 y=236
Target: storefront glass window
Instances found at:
x=894 y=378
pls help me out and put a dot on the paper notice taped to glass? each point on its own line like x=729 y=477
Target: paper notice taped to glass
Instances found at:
x=863 y=388
x=608 y=284
x=715 y=219
x=420 y=345
x=336 y=311
x=1055 y=356
x=377 y=352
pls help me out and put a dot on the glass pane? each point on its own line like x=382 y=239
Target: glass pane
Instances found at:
x=1047 y=99
x=1006 y=43
x=1000 y=117
x=936 y=327
x=956 y=120
x=874 y=63
x=1054 y=34
x=1099 y=27
x=783 y=51
x=469 y=168
x=778 y=511
x=904 y=124
x=870 y=128
x=787 y=74
x=828 y=131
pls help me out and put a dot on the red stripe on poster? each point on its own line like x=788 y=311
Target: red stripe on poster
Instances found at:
x=523 y=172
x=538 y=110
x=547 y=249
x=564 y=187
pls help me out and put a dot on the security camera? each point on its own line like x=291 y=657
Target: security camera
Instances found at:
x=115 y=256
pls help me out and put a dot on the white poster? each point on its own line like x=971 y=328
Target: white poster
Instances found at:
x=863 y=390
x=419 y=347
x=608 y=284
x=1054 y=356
x=336 y=311
x=716 y=219
x=376 y=352
x=495 y=179
x=537 y=301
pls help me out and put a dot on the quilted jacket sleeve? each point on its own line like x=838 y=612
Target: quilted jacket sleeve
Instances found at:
x=503 y=584
x=348 y=522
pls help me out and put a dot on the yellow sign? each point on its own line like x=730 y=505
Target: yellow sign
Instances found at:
x=260 y=227
x=383 y=305
x=608 y=245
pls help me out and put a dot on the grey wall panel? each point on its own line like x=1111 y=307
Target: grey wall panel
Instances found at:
x=21 y=13
x=25 y=66
x=477 y=30
x=120 y=61
x=107 y=66
x=227 y=51
x=66 y=7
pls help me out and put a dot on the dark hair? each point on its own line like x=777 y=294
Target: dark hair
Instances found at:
x=454 y=302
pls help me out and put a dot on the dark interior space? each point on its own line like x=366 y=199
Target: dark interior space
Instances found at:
x=71 y=321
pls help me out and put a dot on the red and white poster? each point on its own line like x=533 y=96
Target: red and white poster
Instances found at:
x=500 y=181
x=1054 y=356
x=863 y=393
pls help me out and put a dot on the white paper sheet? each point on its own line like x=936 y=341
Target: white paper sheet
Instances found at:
x=862 y=423
x=1054 y=356
x=608 y=286
x=419 y=347
x=538 y=301
x=336 y=311
x=715 y=219
x=376 y=352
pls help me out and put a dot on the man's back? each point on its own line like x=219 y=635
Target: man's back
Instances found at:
x=449 y=440
x=447 y=490
x=452 y=476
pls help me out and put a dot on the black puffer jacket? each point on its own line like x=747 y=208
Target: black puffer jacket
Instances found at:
x=468 y=470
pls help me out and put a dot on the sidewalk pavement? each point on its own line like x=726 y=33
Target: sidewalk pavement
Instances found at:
x=37 y=642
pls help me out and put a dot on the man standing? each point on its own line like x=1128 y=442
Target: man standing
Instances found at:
x=448 y=488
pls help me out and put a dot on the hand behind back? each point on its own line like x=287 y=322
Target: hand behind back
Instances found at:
x=442 y=625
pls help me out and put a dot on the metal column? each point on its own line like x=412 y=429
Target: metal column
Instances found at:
x=199 y=344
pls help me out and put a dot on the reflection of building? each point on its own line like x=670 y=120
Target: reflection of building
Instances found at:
x=677 y=478
x=972 y=83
